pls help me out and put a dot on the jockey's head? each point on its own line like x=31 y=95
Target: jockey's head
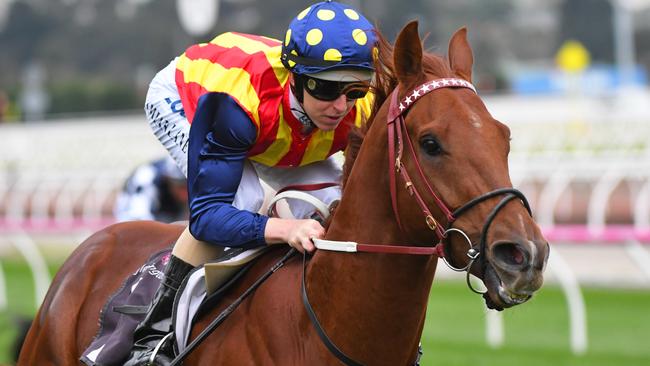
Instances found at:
x=329 y=47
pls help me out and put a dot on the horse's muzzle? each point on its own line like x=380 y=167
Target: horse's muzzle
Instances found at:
x=513 y=273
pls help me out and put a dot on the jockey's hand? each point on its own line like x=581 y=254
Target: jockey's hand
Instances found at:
x=297 y=233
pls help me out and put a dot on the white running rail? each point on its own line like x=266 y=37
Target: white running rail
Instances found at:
x=585 y=160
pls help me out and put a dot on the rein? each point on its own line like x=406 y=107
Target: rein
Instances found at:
x=397 y=134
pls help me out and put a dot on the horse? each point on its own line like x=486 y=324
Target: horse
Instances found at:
x=366 y=308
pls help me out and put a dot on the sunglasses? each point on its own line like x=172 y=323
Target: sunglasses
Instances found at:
x=328 y=91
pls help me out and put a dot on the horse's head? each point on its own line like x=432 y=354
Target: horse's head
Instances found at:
x=456 y=172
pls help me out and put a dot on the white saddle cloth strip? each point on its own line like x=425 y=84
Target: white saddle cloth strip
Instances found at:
x=188 y=303
x=212 y=275
x=217 y=273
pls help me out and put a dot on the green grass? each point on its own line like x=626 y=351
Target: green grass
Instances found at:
x=21 y=303
x=536 y=333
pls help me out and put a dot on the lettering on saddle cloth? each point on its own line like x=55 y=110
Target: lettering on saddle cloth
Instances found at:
x=122 y=313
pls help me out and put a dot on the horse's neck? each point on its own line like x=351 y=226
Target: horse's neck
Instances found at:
x=357 y=295
x=365 y=212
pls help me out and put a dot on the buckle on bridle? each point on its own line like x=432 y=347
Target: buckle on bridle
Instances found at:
x=431 y=222
x=409 y=187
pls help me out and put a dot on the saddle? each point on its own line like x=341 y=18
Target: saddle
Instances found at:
x=200 y=291
x=127 y=307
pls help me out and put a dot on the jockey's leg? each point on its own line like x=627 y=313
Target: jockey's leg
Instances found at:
x=187 y=254
x=193 y=251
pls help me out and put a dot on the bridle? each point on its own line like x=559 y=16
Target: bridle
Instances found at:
x=397 y=136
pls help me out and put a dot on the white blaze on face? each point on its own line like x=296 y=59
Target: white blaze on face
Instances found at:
x=475 y=120
x=531 y=246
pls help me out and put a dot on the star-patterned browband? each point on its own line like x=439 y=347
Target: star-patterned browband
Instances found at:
x=396 y=125
x=430 y=86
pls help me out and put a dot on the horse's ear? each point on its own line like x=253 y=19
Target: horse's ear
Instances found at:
x=408 y=53
x=460 y=55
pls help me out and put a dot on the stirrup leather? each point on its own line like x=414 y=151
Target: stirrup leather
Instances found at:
x=154 y=353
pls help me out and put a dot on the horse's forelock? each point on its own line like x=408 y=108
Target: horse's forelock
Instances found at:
x=385 y=83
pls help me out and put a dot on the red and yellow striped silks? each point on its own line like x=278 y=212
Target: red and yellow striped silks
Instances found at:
x=248 y=68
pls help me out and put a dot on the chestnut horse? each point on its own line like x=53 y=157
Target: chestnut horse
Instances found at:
x=370 y=305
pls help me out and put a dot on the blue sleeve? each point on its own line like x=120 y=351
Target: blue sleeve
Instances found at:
x=220 y=137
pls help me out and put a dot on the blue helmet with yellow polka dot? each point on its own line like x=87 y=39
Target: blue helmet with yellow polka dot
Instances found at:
x=328 y=36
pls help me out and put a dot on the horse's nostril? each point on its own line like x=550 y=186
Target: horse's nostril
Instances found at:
x=510 y=253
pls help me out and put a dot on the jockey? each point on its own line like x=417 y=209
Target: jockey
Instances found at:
x=243 y=108
x=156 y=190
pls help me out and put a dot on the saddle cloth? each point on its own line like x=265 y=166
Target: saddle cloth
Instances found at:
x=203 y=282
x=127 y=307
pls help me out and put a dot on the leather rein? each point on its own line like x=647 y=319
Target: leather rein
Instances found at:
x=397 y=138
x=396 y=132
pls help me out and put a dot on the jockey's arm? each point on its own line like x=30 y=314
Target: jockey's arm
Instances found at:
x=220 y=138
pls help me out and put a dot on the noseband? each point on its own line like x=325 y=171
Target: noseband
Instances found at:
x=396 y=132
x=397 y=135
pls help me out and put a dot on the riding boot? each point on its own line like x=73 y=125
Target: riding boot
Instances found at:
x=157 y=324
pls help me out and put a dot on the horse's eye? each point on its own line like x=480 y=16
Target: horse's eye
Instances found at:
x=431 y=146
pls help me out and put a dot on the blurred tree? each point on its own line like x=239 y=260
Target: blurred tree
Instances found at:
x=488 y=32
x=84 y=95
x=92 y=60
x=21 y=40
x=642 y=41
x=93 y=49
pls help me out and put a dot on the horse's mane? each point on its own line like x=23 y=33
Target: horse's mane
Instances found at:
x=385 y=82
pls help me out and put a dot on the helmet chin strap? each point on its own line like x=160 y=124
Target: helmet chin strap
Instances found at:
x=297 y=88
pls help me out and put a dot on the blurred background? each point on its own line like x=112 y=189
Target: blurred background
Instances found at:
x=569 y=77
